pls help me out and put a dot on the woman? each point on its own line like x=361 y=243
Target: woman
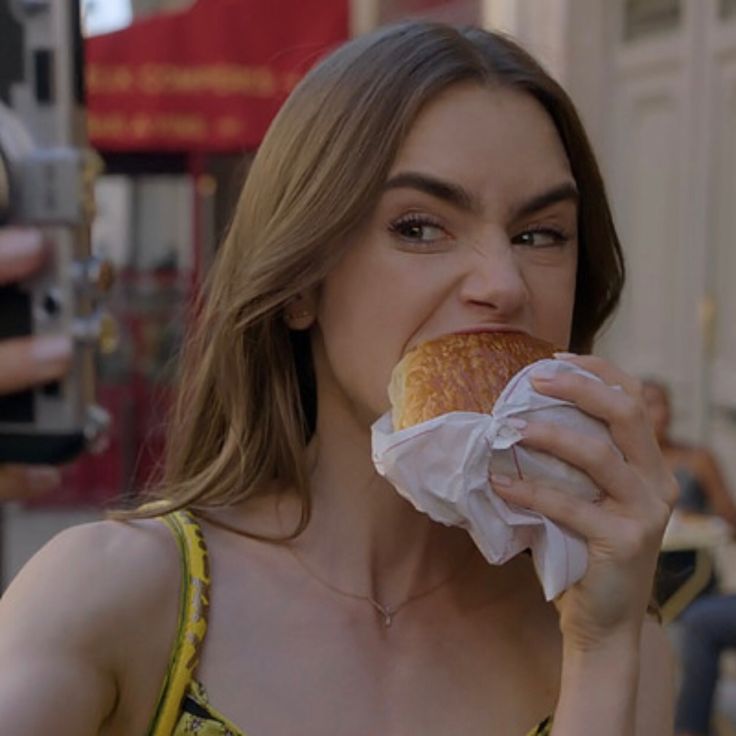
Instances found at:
x=421 y=180
x=702 y=485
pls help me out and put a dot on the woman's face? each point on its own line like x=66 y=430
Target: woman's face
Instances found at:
x=476 y=229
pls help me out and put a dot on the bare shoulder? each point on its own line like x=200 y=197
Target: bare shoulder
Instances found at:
x=655 y=702
x=91 y=580
x=102 y=568
x=99 y=604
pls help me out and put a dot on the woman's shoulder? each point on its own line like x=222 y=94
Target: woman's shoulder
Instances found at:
x=101 y=574
x=137 y=554
x=99 y=599
x=97 y=578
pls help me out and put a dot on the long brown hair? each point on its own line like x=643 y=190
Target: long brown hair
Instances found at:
x=247 y=402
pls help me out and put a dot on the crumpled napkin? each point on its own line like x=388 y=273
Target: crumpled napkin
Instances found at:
x=442 y=467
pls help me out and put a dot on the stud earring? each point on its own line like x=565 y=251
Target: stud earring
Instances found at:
x=299 y=320
x=303 y=314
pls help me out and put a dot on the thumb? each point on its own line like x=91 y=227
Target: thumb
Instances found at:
x=21 y=253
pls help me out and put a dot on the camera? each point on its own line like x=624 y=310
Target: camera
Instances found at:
x=47 y=175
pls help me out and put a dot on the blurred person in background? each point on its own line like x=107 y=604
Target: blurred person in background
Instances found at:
x=26 y=362
x=707 y=628
x=421 y=180
x=701 y=481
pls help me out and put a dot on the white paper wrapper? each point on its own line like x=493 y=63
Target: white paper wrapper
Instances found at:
x=442 y=468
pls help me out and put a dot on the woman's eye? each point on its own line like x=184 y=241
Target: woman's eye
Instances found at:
x=541 y=238
x=418 y=229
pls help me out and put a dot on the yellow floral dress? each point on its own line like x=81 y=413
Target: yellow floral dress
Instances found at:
x=183 y=706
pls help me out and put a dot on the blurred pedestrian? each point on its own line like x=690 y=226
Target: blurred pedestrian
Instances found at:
x=707 y=628
x=702 y=483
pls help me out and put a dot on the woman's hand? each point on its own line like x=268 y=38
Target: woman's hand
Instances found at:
x=624 y=529
x=27 y=361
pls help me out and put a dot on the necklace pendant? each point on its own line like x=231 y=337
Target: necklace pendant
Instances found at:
x=386 y=613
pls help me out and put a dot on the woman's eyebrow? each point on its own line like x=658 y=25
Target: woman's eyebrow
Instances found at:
x=565 y=192
x=448 y=191
x=461 y=198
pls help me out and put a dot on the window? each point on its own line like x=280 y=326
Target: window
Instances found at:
x=643 y=18
x=104 y=16
x=727 y=9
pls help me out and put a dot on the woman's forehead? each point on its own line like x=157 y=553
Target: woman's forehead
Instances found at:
x=485 y=137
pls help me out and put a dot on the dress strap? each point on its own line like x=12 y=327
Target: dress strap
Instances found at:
x=193 y=606
x=543 y=729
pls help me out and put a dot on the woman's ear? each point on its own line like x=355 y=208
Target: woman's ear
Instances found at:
x=300 y=311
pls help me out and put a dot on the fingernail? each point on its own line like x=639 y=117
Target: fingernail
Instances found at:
x=20 y=243
x=541 y=374
x=564 y=356
x=517 y=422
x=51 y=349
x=42 y=479
x=501 y=480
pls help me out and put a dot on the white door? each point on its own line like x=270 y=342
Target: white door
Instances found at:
x=649 y=150
x=721 y=216
x=669 y=152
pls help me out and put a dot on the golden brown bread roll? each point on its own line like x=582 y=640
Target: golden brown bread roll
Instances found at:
x=461 y=372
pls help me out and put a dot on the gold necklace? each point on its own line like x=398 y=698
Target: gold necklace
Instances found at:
x=385 y=612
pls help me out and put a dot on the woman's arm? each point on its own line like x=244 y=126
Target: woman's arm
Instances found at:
x=598 y=689
x=70 y=627
x=55 y=675
x=602 y=615
x=655 y=706
x=593 y=683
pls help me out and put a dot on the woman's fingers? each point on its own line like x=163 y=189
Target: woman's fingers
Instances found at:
x=622 y=531
x=21 y=253
x=623 y=412
x=592 y=521
x=21 y=482
x=599 y=459
x=29 y=361
x=608 y=372
x=578 y=515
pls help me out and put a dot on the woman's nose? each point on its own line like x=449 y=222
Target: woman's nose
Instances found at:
x=493 y=278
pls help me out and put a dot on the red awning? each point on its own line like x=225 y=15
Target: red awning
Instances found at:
x=207 y=79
